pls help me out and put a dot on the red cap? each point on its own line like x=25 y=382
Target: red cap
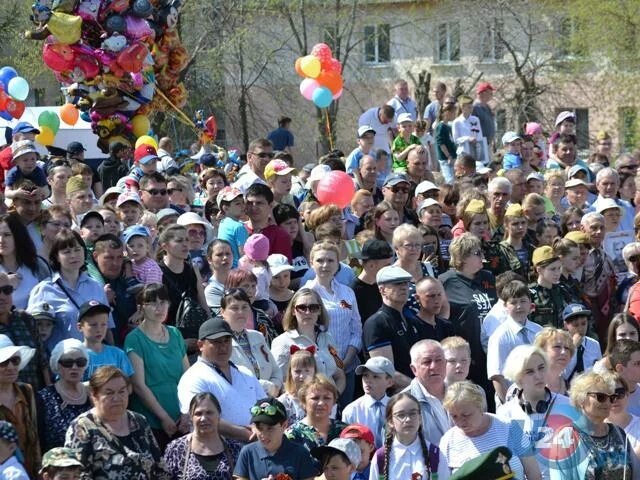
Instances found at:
x=358 y=431
x=144 y=151
x=484 y=86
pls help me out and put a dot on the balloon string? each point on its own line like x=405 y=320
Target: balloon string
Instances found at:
x=326 y=116
x=184 y=116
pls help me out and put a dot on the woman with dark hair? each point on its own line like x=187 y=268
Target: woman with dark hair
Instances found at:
x=52 y=220
x=158 y=356
x=570 y=220
x=203 y=454
x=211 y=181
x=627 y=190
x=383 y=220
x=220 y=257
x=68 y=288
x=288 y=218
x=19 y=259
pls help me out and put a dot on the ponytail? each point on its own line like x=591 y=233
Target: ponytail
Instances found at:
x=388 y=441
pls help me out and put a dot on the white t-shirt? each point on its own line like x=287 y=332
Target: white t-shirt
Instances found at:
x=633 y=436
x=370 y=118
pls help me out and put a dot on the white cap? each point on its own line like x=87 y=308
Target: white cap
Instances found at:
x=278 y=263
x=607 y=204
x=425 y=186
x=365 y=129
x=574 y=182
x=405 y=117
x=318 y=173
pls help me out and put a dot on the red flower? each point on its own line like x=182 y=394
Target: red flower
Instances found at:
x=283 y=476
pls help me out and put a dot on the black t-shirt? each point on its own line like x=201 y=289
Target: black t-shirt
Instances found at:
x=299 y=263
x=368 y=298
x=439 y=332
x=177 y=283
x=387 y=327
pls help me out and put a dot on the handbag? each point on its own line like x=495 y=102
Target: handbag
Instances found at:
x=190 y=314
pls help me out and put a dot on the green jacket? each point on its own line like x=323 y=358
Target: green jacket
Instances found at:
x=549 y=304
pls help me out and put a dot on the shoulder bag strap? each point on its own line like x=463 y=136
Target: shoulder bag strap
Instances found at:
x=66 y=292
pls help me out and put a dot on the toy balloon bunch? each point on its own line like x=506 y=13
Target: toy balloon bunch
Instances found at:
x=14 y=90
x=117 y=60
x=322 y=76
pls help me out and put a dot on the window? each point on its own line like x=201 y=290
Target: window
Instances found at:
x=377 y=43
x=39 y=96
x=582 y=125
x=501 y=124
x=492 y=47
x=330 y=37
x=628 y=133
x=449 y=42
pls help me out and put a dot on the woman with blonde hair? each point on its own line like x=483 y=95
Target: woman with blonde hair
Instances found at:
x=558 y=346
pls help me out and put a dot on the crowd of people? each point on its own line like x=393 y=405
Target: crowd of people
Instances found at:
x=221 y=323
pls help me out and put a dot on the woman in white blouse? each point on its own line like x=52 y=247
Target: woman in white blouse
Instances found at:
x=305 y=323
x=466 y=129
x=345 y=325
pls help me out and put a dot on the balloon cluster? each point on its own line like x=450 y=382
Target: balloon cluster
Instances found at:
x=322 y=75
x=14 y=90
x=118 y=61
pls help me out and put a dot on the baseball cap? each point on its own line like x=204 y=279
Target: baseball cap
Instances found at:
x=214 y=328
x=277 y=167
x=405 y=117
x=60 y=457
x=278 y=263
x=509 y=137
x=92 y=306
x=22 y=148
x=111 y=191
x=228 y=194
x=426 y=186
x=533 y=128
x=394 y=179
x=574 y=182
x=364 y=129
x=166 y=213
x=135 y=231
x=269 y=411
x=376 y=365
x=89 y=215
x=392 y=274
x=317 y=173
x=43 y=311
x=484 y=86
x=128 y=196
x=343 y=445
x=358 y=431
x=535 y=176
x=145 y=154
x=208 y=160
x=574 y=310
x=543 y=254
x=429 y=202
x=375 y=249
x=566 y=115
x=75 y=147
x=575 y=169
x=24 y=127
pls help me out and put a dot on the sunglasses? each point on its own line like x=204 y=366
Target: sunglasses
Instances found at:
x=634 y=258
x=400 y=189
x=7 y=290
x=602 y=397
x=310 y=308
x=264 y=154
x=174 y=190
x=70 y=362
x=157 y=191
x=267 y=409
x=15 y=361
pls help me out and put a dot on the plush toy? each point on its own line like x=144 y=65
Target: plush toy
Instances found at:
x=88 y=10
x=114 y=43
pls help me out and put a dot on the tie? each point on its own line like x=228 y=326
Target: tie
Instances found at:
x=378 y=409
x=524 y=336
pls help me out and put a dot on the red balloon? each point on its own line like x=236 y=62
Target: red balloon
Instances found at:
x=4 y=98
x=331 y=80
x=211 y=126
x=334 y=66
x=336 y=187
x=132 y=58
x=322 y=52
x=15 y=108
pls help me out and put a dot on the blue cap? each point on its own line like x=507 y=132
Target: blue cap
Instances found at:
x=574 y=310
x=208 y=160
x=396 y=178
x=24 y=127
x=135 y=231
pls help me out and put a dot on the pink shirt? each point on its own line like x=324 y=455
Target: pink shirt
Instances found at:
x=147 y=271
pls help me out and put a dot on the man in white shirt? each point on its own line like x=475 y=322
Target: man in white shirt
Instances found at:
x=236 y=388
x=381 y=120
x=259 y=153
x=401 y=101
x=429 y=367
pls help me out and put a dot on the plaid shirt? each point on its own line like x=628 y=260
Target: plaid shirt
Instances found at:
x=21 y=329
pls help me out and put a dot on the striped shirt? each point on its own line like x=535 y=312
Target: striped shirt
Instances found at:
x=147 y=271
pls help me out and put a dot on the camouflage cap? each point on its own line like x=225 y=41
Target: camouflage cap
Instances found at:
x=60 y=457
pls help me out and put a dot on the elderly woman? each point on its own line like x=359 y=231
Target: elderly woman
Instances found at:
x=249 y=347
x=471 y=292
x=305 y=323
x=608 y=454
x=60 y=403
x=558 y=346
x=203 y=454
x=17 y=402
x=111 y=441
x=317 y=428
x=475 y=432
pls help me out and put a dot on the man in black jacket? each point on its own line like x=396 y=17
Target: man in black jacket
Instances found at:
x=114 y=167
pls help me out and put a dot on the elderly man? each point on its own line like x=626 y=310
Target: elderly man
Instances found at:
x=401 y=101
x=431 y=111
x=366 y=176
x=153 y=192
x=429 y=367
x=482 y=110
x=388 y=333
x=499 y=194
x=236 y=388
x=381 y=120
x=259 y=154
x=607 y=184
x=396 y=190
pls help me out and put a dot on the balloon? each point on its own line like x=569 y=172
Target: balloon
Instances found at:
x=5 y=115
x=49 y=119
x=6 y=74
x=147 y=140
x=15 y=108
x=86 y=117
x=66 y=28
x=322 y=52
x=4 y=98
x=307 y=87
x=132 y=58
x=334 y=66
x=46 y=136
x=322 y=97
x=310 y=66
x=336 y=187
x=140 y=125
x=69 y=114
x=298 y=68
x=337 y=95
x=18 y=88
x=212 y=126
x=331 y=80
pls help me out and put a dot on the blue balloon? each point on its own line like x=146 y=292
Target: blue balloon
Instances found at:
x=6 y=74
x=322 y=97
x=6 y=115
x=85 y=116
x=18 y=89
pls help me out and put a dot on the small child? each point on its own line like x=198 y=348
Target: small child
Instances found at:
x=25 y=158
x=339 y=459
x=60 y=463
x=364 y=439
x=576 y=321
x=377 y=376
x=302 y=368
x=10 y=466
x=93 y=317
x=91 y=228
x=45 y=317
x=256 y=252
x=268 y=422
x=138 y=241
x=511 y=142
x=457 y=354
x=365 y=138
x=546 y=293
x=231 y=204
x=145 y=160
x=403 y=143
x=130 y=208
x=279 y=292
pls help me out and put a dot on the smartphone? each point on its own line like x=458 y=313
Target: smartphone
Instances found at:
x=428 y=249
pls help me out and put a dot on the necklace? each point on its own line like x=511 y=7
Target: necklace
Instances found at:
x=68 y=398
x=155 y=337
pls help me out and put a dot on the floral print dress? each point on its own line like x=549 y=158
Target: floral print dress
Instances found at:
x=308 y=436
x=175 y=461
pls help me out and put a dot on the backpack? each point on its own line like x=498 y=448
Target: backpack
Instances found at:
x=434 y=460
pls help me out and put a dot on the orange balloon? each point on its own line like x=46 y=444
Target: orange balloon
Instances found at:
x=69 y=114
x=330 y=79
x=299 y=68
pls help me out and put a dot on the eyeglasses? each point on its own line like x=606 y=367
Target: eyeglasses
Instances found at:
x=476 y=253
x=264 y=154
x=404 y=416
x=620 y=392
x=412 y=246
x=397 y=189
x=7 y=290
x=70 y=362
x=310 y=308
x=15 y=361
x=602 y=397
x=634 y=258
x=156 y=191
x=196 y=233
x=174 y=190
